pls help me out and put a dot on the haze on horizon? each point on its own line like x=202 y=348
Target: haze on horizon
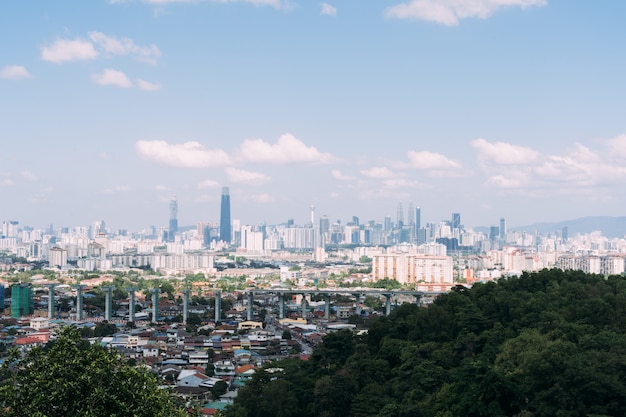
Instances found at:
x=493 y=108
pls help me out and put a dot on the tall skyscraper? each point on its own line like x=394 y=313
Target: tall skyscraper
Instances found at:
x=411 y=215
x=456 y=221
x=173 y=219
x=503 y=228
x=418 y=218
x=400 y=216
x=225 y=229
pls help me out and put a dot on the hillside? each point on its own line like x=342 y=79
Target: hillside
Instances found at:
x=545 y=344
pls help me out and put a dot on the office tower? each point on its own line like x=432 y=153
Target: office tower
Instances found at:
x=503 y=228
x=418 y=218
x=400 y=216
x=22 y=301
x=494 y=233
x=456 y=221
x=225 y=231
x=411 y=214
x=564 y=233
x=312 y=216
x=387 y=224
x=355 y=220
x=173 y=219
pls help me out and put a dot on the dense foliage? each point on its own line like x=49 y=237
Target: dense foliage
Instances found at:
x=70 y=377
x=551 y=343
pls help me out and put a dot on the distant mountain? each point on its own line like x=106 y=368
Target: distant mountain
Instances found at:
x=609 y=226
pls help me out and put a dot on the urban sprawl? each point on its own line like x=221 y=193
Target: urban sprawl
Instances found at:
x=206 y=306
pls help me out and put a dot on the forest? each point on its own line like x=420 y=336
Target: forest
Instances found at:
x=550 y=343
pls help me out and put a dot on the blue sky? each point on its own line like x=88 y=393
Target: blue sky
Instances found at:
x=490 y=108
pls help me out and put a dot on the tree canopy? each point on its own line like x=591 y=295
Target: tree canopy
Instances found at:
x=71 y=377
x=544 y=344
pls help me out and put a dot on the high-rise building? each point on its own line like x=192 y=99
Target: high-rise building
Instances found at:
x=418 y=218
x=225 y=229
x=173 y=219
x=22 y=301
x=411 y=215
x=456 y=221
x=400 y=216
x=503 y=228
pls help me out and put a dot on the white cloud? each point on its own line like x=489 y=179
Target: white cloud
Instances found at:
x=328 y=10
x=277 y=4
x=63 y=50
x=261 y=198
x=449 y=12
x=147 y=86
x=430 y=160
x=338 y=175
x=501 y=181
x=49 y=189
x=379 y=173
x=112 y=45
x=617 y=145
x=402 y=183
x=116 y=190
x=14 y=72
x=288 y=150
x=504 y=153
x=248 y=177
x=161 y=187
x=29 y=176
x=7 y=182
x=208 y=184
x=112 y=77
x=188 y=154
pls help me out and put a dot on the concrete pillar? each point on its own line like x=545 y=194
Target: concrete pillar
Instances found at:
x=108 y=303
x=387 y=304
x=327 y=306
x=186 y=294
x=418 y=299
x=79 y=302
x=281 y=305
x=250 y=305
x=357 y=310
x=50 y=300
x=304 y=306
x=218 y=306
x=131 y=304
x=155 y=304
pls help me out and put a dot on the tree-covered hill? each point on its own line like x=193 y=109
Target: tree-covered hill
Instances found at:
x=551 y=343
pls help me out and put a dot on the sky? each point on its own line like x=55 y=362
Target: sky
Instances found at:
x=489 y=108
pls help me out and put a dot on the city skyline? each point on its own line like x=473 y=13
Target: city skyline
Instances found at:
x=499 y=109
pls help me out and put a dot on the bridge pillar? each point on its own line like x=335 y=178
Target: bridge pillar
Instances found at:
x=387 y=304
x=108 y=303
x=218 y=306
x=304 y=306
x=281 y=305
x=418 y=299
x=327 y=306
x=155 y=304
x=250 y=304
x=131 y=304
x=357 y=310
x=50 y=300
x=79 y=302
x=186 y=294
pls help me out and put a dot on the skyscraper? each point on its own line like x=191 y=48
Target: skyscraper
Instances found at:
x=503 y=228
x=456 y=221
x=400 y=217
x=225 y=229
x=418 y=218
x=173 y=219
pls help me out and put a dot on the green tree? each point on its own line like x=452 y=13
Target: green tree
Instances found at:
x=71 y=377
